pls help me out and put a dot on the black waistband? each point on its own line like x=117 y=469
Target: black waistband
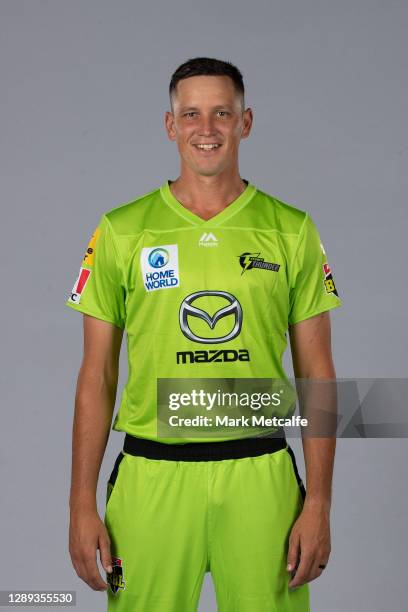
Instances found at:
x=204 y=451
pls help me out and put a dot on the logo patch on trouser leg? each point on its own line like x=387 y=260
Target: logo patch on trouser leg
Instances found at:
x=116 y=579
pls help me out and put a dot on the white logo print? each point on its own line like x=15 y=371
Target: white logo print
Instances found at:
x=160 y=268
x=208 y=240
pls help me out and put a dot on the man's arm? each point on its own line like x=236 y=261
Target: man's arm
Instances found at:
x=310 y=537
x=94 y=404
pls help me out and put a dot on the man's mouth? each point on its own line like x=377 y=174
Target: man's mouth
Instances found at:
x=207 y=147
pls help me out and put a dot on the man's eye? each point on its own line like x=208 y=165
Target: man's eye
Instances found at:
x=189 y=114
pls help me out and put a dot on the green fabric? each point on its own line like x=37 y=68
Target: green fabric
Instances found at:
x=289 y=285
x=170 y=522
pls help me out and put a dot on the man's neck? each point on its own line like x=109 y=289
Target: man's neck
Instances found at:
x=207 y=196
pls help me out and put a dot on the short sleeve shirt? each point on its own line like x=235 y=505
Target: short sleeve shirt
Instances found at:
x=201 y=299
x=99 y=289
x=311 y=289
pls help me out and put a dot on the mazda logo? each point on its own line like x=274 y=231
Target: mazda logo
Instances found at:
x=187 y=309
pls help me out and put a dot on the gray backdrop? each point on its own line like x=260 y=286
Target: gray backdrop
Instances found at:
x=83 y=96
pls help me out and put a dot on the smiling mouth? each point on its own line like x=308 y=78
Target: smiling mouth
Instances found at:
x=207 y=147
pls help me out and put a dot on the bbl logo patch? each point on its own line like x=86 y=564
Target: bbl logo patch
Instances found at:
x=160 y=268
x=328 y=282
x=116 y=579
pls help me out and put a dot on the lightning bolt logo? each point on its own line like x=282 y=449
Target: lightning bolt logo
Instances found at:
x=246 y=262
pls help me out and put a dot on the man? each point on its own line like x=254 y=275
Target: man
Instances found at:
x=207 y=274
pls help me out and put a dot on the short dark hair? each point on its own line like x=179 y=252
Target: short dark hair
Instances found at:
x=207 y=66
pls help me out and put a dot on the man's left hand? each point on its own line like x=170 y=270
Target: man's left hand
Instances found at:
x=309 y=543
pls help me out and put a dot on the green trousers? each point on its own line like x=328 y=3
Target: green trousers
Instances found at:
x=171 y=521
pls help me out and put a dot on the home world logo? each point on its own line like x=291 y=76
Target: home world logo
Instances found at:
x=159 y=266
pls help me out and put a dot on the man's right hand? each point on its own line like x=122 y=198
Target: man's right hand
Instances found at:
x=87 y=534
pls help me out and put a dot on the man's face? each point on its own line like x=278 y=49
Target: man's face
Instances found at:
x=207 y=110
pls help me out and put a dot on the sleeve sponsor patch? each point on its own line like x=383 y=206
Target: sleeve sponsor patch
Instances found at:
x=79 y=285
x=90 y=250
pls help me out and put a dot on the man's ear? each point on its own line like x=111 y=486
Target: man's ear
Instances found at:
x=248 y=121
x=169 y=124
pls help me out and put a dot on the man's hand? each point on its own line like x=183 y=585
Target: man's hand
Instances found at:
x=87 y=534
x=309 y=543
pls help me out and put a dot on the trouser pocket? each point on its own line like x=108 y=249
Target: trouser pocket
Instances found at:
x=113 y=479
x=296 y=472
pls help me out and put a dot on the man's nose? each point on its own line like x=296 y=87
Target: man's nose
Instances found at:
x=206 y=125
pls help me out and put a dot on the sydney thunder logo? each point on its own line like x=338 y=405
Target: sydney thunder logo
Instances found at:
x=249 y=261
